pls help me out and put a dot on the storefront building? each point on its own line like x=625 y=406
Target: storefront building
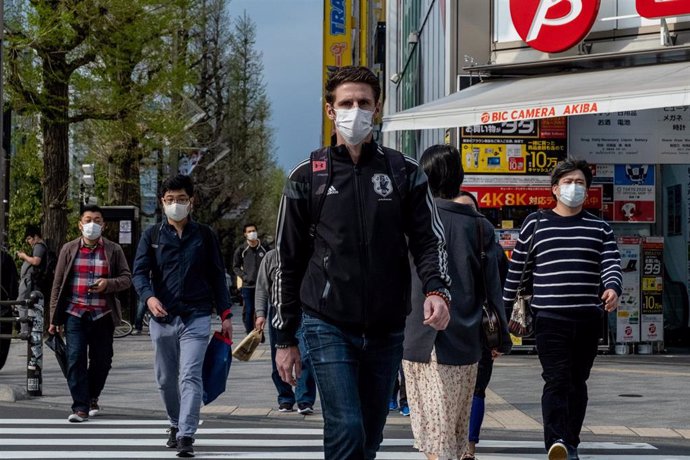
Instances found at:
x=518 y=85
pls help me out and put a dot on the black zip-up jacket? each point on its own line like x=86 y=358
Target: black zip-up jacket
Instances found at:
x=354 y=273
x=246 y=262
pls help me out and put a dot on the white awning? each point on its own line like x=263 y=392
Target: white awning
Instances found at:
x=577 y=93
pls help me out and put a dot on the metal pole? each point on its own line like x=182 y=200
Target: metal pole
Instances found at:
x=4 y=201
x=34 y=352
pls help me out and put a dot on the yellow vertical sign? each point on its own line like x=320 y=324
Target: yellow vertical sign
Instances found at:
x=337 y=46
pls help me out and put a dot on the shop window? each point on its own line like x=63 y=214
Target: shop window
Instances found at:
x=674 y=210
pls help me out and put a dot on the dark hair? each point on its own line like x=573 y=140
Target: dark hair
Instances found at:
x=32 y=230
x=178 y=182
x=246 y=226
x=569 y=166
x=471 y=197
x=443 y=167
x=352 y=74
x=90 y=208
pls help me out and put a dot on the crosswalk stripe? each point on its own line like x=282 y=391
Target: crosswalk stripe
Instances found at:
x=92 y=421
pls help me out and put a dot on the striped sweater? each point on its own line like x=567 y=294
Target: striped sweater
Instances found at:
x=572 y=258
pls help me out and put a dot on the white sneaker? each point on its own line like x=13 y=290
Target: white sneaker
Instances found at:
x=78 y=417
x=94 y=409
x=558 y=451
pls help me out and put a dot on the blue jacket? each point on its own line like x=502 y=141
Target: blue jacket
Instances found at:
x=186 y=274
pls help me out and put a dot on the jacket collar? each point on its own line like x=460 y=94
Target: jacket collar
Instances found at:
x=457 y=208
x=369 y=149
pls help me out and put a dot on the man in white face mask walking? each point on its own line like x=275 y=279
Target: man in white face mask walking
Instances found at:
x=343 y=274
x=180 y=275
x=245 y=263
x=89 y=271
x=575 y=276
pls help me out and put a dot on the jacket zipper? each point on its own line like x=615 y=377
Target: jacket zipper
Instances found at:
x=363 y=245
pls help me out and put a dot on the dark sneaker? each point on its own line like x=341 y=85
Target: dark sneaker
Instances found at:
x=184 y=447
x=285 y=407
x=136 y=331
x=172 y=437
x=94 y=409
x=78 y=416
x=305 y=409
x=405 y=410
x=558 y=451
x=392 y=405
x=572 y=452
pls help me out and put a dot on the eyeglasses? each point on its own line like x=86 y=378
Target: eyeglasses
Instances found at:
x=169 y=201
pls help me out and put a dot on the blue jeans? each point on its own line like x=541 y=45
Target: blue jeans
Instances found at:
x=89 y=357
x=305 y=391
x=567 y=350
x=248 y=310
x=355 y=376
x=179 y=348
x=139 y=318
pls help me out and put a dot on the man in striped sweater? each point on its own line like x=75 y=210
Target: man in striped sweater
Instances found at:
x=574 y=274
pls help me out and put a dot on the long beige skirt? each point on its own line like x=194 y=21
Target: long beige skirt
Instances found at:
x=440 y=399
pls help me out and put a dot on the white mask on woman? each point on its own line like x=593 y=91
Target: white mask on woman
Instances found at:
x=176 y=211
x=354 y=124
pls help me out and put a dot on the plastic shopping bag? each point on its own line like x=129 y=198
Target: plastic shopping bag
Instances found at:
x=216 y=367
x=55 y=343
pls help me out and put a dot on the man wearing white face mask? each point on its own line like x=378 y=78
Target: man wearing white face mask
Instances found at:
x=245 y=263
x=179 y=273
x=575 y=276
x=89 y=272
x=343 y=276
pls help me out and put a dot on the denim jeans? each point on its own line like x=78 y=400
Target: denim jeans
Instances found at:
x=566 y=349
x=179 y=348
x=139 y=318
x=354 y=374
x=89 y=357
x=305 y=391
x=248 y=310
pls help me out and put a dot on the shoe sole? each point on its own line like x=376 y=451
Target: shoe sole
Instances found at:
x=306 y=411
x=558 y=452
x=93 y=413
x=185 y=454
x=77 y=420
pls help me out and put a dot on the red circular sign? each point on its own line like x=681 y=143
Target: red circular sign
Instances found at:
x=553 y=26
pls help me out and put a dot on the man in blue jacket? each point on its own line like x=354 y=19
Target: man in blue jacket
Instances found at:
x=179 y=274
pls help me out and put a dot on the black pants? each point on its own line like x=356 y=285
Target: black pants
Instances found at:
x=567 y=349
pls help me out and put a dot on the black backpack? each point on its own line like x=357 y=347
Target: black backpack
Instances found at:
x=44 y=274
x=321 y=178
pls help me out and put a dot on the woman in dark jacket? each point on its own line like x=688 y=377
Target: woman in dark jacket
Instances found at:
x=441 y=366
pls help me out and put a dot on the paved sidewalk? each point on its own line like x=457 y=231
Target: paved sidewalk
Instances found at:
x=632 y=395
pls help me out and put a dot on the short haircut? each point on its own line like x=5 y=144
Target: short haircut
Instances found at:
x=32 y=230
x=90 y=208
x=179 y=182
x=246 y=226
x=443 y=167
x=569 y=166
x=352 y=74
x=471 y=197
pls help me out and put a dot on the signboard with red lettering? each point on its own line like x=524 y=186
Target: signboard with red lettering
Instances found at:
x=553 y=26
x=514 y=147
x=499 y=196
x=652 y=286
x=662 y=8
x=628 y=313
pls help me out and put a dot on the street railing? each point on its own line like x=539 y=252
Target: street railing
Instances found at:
x=32 y=315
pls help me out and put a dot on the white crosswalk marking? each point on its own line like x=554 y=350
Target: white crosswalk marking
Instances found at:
x=101 y=438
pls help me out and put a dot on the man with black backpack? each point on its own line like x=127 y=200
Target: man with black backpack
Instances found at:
x=343 y=228
x=180 y=275
x=33 y=271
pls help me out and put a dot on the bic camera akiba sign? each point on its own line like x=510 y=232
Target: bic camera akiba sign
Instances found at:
x=553 y=26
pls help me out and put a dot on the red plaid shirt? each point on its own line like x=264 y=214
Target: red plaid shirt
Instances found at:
x=89 y=265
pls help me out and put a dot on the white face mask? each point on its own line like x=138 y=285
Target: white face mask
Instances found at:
x=354 y=124
x=176 y=211
x=572 y=195
x=91 y=231
x=251 y=236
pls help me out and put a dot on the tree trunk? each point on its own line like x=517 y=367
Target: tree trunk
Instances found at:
x=55 y=128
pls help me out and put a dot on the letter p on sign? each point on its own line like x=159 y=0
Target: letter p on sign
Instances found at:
x=553 y=26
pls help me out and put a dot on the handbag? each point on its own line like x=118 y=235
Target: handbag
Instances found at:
x=217 y=361
x=247 y=346
x=55 y=343
x=521 y=323
x=491 y=326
